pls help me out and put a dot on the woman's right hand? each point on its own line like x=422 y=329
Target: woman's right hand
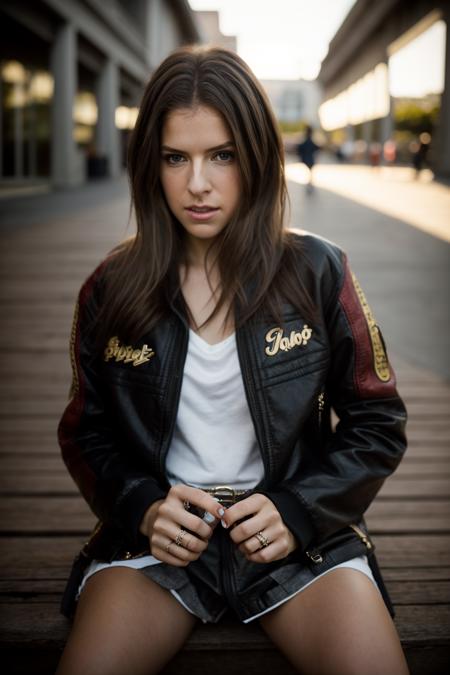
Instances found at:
x=166 y=519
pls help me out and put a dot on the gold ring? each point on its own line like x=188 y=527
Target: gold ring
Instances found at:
x=179 y=537
x=168 y=546
x=262 y=539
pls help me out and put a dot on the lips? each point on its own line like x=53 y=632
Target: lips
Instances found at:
x=201 y=209
x=201 y=212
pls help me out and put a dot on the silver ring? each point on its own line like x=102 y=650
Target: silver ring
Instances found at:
x=262 y=539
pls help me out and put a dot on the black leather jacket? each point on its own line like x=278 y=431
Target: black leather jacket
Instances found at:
x=117 y=428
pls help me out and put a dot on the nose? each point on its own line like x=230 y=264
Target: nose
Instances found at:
x=198 y=181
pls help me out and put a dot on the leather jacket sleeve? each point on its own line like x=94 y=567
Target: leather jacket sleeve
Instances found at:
x=347 y=467
x=117 y=489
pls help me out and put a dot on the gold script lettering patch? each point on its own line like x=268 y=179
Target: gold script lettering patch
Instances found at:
x=75 y=386
x=127 y=354
x=380 y=360
x=277 y=341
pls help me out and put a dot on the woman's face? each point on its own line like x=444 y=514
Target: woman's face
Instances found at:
x=199 y=170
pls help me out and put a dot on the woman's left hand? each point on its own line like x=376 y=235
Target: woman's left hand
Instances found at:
x=264 y=525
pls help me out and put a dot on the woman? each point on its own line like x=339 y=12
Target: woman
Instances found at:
x=207 y=353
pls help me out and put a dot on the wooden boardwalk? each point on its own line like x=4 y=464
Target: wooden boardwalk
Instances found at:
x=44 y=521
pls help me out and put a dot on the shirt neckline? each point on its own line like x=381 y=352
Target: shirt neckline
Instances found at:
x=211 y=347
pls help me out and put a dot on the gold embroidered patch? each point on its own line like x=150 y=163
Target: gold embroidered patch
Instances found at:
x=380 y=360
x=127 y=354
x=74 y=387
x=279 y=341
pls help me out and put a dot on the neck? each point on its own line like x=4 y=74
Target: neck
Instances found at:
x=196 y=250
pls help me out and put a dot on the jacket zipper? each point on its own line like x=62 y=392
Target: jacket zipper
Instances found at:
x=175 y=397
x=315 y=554
x=320 y=407
x=87 y=544
x=362 y=535
x=227 y=574
x=131 y=556
x=253 y=407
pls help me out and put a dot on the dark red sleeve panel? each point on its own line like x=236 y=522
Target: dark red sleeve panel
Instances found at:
x=373 y=375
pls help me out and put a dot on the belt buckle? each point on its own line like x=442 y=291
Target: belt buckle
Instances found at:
x=225 y=494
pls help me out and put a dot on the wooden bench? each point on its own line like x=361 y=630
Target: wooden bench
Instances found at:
x=43 y=520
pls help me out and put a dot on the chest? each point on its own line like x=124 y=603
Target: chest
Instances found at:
x=202 y=299
x=283 y=368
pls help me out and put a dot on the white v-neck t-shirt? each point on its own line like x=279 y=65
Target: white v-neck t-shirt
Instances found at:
x=214 y=441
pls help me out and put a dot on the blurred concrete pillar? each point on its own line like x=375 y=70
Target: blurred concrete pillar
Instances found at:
x=19 y=91
x=153 y=31
x=367 y=131
x=350 y=132
x=441 y=141
x=66 y=161
x=107 y=134
x=387 y=125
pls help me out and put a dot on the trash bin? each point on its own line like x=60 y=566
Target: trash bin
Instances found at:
x=97 y=166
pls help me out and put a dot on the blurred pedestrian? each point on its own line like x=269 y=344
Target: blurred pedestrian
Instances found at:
x=361 y=150
x=208 y=351
x=348 y=149
x=306 y=151
x=390 y=151
x=375 y=154
x=339 y=154
x=420 y=152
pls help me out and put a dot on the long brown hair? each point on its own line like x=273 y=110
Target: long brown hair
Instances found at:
x=253 y=252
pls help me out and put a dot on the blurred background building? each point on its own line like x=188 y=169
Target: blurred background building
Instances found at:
x=386 y=83
x=208 y=23
x=72 y=74
x=295 y=102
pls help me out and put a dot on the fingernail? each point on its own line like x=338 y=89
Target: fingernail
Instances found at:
x=208 y=517
x=221 y=512
x=224 y=524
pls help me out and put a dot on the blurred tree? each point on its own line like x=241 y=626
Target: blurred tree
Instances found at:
x=416 y=117
x=292 y=127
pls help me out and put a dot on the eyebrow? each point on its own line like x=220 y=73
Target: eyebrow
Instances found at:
x=216 y=147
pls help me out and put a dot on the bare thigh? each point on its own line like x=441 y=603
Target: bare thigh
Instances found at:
x=337 y=626
x=124 y=623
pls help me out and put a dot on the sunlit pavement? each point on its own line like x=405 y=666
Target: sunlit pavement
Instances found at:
x=395 y=230
x=393 y=191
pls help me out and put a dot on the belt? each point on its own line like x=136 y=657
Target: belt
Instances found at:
x=225 y=494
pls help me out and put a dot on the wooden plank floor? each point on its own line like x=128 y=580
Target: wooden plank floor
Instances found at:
x=43 y=521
